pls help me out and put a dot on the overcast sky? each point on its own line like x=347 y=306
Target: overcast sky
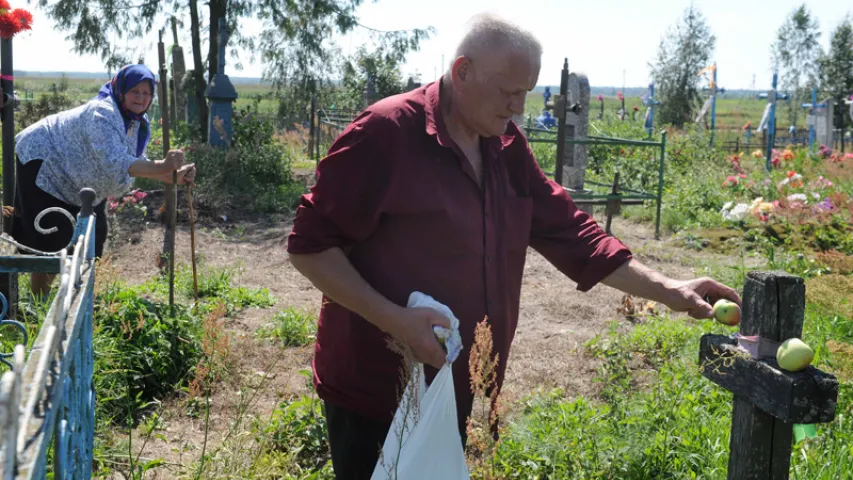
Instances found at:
x=609 y=40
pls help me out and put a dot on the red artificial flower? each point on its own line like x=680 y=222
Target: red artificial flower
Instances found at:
x=636 y=108
x=8 y=26
x=24 y=18
x=15 y=21
x=620 y=96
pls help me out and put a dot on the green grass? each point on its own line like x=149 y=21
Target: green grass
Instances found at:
x=292 y=328
x=659 y=418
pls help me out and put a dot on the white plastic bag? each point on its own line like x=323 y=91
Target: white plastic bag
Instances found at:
x=424 y=441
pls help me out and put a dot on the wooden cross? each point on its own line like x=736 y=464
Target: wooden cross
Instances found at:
x=768 y=401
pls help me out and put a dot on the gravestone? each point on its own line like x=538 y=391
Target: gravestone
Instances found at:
x=179 y=70
x=824 y=127
x=577 y=127
x=221 y=95
x=369 y=91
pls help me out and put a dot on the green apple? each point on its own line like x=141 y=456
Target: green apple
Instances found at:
x=727 y=312
x=794 y=355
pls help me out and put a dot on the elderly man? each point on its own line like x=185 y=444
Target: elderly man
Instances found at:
x=436 y=190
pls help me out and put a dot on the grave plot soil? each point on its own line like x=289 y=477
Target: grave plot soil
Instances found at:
x=555 y=321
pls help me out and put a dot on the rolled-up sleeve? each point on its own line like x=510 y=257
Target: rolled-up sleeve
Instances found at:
x=569 y=238
x=345 y=205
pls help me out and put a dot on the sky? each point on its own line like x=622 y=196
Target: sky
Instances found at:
x=611 y=41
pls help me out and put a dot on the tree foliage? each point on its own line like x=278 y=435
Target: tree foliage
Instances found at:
x=301 y=58
x=684 y=51
x=836 y=69
x=296 y=43
x=795 y=55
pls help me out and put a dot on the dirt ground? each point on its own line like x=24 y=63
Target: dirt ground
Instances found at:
x=555 y=321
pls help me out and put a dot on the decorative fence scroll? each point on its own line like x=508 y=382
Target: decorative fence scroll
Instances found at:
x=47 y=394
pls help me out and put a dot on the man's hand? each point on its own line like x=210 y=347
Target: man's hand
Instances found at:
x=414 y=328
x=697 y=297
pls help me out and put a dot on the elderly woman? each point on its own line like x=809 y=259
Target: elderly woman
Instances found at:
x=98 y=145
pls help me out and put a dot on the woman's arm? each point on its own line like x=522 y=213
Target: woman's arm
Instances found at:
x=160 y=170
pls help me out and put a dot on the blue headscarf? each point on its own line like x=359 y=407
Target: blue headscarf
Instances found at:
x=127 y=78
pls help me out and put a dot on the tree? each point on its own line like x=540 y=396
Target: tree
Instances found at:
x=378 y=65
x=296 y=42
x=836 y=69
x=795 y=55
x=300 y=56
x=684 y=51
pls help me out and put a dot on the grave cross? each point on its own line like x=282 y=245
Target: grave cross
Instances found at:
x=768 y=401
x=221 y=94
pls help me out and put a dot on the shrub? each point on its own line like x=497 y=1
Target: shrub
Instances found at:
x=254 y=179
x=142 y=352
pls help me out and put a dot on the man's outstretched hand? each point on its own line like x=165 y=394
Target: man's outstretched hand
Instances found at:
x=697 y=296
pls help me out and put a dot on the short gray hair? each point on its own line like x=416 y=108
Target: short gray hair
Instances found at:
x=489 y=31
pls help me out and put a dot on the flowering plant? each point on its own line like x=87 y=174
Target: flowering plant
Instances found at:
x=13 y=21
x=132 y=199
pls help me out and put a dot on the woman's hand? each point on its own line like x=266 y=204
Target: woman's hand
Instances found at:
x=186 y=174
x=174 y=160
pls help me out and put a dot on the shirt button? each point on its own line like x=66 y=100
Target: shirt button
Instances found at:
x=488 y=258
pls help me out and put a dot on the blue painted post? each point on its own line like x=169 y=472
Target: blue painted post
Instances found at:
x=814 y=117
x=713 y=102
x=221 y=94
x=771 y=125
x=650 y=125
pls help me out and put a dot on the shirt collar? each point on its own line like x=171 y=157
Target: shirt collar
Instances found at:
x=435 y=123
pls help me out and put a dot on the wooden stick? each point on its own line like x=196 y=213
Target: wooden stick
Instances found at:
x=192 y=245
x=171 y=190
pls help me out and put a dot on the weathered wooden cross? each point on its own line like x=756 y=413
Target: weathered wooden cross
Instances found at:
x=768 y=401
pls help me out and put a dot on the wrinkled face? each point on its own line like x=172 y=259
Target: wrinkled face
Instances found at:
x=492 y=89
x=138 y=98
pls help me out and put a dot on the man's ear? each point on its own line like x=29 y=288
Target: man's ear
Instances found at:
x=461 y=69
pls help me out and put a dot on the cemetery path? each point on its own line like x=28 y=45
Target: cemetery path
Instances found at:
x=556 y=320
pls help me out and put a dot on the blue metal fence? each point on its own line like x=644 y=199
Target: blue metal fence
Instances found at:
x=48 y=394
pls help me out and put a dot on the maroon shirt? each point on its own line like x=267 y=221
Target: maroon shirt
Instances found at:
x=401 y=200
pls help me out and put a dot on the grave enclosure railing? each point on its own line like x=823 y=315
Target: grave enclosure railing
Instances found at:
x=612 y=195
x=326 y=125
x=47 y=396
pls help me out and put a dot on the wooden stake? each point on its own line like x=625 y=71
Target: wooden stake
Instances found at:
x=192 y=245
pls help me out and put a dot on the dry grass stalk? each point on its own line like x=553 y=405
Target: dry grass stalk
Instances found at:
x=409 y=380
x=483 y=425
x=216 y=353
x=635 y=311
